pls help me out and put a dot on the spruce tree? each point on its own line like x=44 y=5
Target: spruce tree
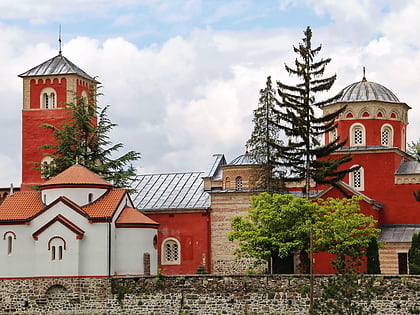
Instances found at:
x=264 y=144
x=84 y=139
x=414 y=255
x=303 y=156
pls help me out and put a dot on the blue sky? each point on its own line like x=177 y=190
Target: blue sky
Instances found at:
x=182 y=77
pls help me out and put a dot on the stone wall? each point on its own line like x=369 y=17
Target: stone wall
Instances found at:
x=194 y=294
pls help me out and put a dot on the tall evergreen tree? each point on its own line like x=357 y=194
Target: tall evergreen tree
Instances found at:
x=84 y=139
x=414 y=255
x=303 y=156
x=264 y=144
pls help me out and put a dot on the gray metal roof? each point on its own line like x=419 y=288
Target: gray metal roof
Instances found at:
x=398 y=233
x=214 y=170
x=367 y=91
x=54 y=66
x=244 y=159
x=171 y=191
x=408 y=168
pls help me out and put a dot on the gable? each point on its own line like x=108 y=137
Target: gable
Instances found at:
x=65 y=222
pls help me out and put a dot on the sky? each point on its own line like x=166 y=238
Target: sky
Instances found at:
x=182 y=77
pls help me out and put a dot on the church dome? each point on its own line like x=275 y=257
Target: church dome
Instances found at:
x=367 y=91
x=244 y=159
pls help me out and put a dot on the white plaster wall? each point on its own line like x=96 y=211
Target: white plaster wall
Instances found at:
x=78 y=195
x=44 y=265
x=18 y=264
x=130 y=245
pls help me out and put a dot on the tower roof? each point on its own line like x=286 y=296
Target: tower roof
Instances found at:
x=367 y=91
x=244 y=159
x=76 y=175
x=54 y=66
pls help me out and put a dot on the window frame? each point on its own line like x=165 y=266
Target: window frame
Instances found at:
x=387 y=127
x=353 y=128
x=173 y=241
x=361 y=179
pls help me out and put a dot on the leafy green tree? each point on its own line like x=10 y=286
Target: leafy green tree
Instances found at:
x=414 y=149
x=276 y=226
x=341 y=229
x=84 y=139
x=263 y=146
x=303 y=156
x=414 y=255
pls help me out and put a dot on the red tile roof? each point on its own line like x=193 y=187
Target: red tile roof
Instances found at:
x=76 y=175
x=105 y=206
x=132 y=216
x=21 y=206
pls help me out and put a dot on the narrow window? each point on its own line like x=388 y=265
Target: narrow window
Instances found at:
x=52 y=100
x=146 y=264
x=52 y=252
x=9 y=245
x=90 y=197
x=402 y=263
x=239 y=183
x=46 y=101
x=386 y=135
x=357 y=179
x=60 y=252
x=358 y=136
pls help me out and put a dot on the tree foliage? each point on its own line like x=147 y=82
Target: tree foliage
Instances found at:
x=414 y=255
x=264 y=144
x=84 y=139
x=372 y=255
x=276 y=226
x=340 y=228
x=303 y=156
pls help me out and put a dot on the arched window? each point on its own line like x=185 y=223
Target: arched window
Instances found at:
x=333 y=135
x=9 y=236
x=9 y=245
x=57 y=246
x=48 y=98
x=227 y=182
x=387 y=135
x=357 y=180
x=171 y=252
x=239 y=185
x=45 y=164
x=357 y=135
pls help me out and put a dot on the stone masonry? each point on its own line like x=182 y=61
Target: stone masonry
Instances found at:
x=194 y=294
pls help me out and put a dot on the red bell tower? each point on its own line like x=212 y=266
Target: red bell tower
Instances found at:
x=46 y=90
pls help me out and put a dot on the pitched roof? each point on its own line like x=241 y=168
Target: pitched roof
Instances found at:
x=131 y=216
x=56 y=65
x=398 y=233
x=76 y=175
x=21 y=206
x=408 y=168
x=105 y=206
x=171 y=191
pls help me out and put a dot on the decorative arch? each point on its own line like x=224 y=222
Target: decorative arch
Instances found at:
x=45 y=162
x=171 y=251
x=357 y=135
x=48 y=98
x=387 y=135
x=55 y=237
x=394 y=115
x=349 y=114
x=9 y=232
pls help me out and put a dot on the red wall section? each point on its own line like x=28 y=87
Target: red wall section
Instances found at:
x=38 y=85
x=192 y=231
x=34 y=136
